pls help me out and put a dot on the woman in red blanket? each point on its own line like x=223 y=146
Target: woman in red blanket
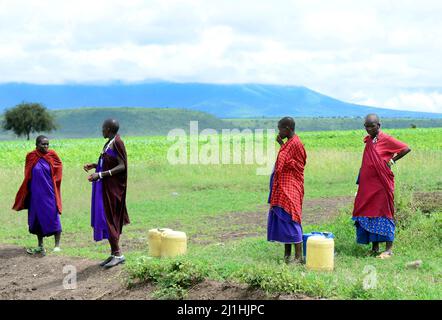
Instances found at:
x=40 y=194
x=374 y=204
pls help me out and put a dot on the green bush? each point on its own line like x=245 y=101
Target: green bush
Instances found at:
x=173 y=277
x=146 y=270
x=183 y=274
x=173 y=292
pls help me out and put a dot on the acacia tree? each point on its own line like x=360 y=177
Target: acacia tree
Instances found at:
x=28 y=117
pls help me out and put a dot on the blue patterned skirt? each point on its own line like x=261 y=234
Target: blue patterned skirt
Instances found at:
x=374 y=229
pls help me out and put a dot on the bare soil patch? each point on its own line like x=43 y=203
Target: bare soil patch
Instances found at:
x=235 y=225
x=36 y=277
x=428 y=201
x=214 y=290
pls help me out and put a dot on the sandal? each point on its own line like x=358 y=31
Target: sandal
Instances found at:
x=385 y=255
x=37 y=250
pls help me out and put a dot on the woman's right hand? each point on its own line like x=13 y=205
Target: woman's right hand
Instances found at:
x=89 y=166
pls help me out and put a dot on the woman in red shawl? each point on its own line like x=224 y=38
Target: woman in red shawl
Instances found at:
x=40 y=194
x=373 y=211
x=287 y=192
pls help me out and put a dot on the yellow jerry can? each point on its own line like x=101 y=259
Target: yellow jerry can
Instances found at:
x=154 y=240
x=173 y=243
x=320 y=253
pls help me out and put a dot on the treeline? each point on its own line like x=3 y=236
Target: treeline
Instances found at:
x=324 y=124
x=86 y=122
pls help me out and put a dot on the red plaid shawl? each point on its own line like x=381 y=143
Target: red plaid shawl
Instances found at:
x=288 y=180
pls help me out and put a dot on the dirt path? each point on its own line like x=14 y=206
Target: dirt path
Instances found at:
x=25 y=277
x=34 y=277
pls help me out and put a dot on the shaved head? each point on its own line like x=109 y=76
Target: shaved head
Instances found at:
x=112 y=125
x=287 y=122
x=372 y=124
x=372 y=117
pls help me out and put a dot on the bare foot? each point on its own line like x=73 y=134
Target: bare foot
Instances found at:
x=287 y=259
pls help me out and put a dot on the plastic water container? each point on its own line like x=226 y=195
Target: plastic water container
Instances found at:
x=314 y=233
x=154 y=237
x=320 y=253
x=173 y=243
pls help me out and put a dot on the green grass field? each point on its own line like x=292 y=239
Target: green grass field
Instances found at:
x=196 y=198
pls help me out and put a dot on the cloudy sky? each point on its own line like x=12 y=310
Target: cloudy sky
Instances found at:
x=380 y=53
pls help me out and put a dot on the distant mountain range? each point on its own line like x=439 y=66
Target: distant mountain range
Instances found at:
x=224 y=101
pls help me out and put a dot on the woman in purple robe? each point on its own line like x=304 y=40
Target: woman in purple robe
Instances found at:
x=40 y=194
x=109 y=182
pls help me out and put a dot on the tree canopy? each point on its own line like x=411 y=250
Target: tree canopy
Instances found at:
x=27 y=118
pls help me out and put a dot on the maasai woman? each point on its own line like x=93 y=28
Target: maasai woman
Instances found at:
x=287 y=191
x=374 y=203
x=40 y=194
x=109 y=182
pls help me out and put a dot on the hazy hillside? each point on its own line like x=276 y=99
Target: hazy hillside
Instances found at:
x=224 y=101
x=86 y=122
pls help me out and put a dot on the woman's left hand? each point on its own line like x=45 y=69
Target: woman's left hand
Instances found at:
x=279 y=140
x=93 y=177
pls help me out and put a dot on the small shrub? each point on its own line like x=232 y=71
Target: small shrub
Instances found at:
x=173 y=292
x=173 y=277
x=183 y=274
x=146 y=270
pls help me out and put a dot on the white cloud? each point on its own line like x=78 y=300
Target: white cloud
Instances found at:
x=430 y=102
x=358 y=51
